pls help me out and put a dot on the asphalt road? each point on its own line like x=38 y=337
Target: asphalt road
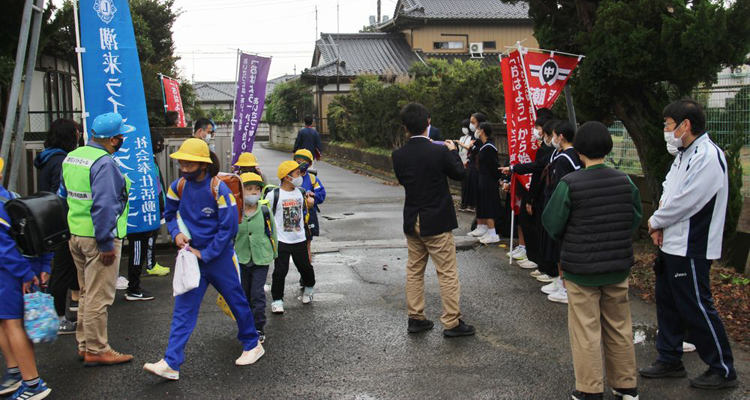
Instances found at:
x=351 y=343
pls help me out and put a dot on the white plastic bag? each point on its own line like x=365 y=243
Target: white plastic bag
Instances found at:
x=187 y=273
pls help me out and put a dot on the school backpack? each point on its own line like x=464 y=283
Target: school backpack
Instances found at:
x=233 y=182
x=38 y=223
x=268 y=220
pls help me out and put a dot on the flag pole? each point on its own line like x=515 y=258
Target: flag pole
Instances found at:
x=163 y=94
x=234 y=106
x=79 y=51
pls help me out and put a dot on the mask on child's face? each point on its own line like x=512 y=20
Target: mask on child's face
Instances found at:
x=191 y=176
x=252 y=199
x=297 y=182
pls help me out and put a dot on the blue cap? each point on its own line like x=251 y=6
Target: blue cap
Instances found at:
x=110 y=125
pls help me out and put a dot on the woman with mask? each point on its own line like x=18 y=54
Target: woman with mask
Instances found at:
x=565 y=160
x=464 y=145
x=527 y=253
x=62 y=138
x=472 y=169
x=488 y=206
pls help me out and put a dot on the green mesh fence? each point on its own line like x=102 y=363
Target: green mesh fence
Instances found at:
x=727 y=105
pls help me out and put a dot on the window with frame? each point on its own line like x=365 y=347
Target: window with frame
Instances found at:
x=448 y=45
x=490 y=45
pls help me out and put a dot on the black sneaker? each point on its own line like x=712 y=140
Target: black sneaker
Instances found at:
x=261 y=337
x=419 y=325
x=460 y=330
x=663 y=370
x=586 y=396
x=713 y=381
x=140 y=295
x=626 y=394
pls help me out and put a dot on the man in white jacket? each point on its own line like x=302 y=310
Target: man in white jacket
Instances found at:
x=688 y=227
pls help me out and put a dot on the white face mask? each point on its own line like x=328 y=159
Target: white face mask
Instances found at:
x=671 y=140
x=556 y=144
x=473 y=128
x=547 y=142
x=672 y=150
x=251 y=200
x=208 y=138
x=297 y=182
x=476 y=135
x=465 y=131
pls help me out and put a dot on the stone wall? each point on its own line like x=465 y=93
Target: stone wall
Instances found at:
x=284 y=136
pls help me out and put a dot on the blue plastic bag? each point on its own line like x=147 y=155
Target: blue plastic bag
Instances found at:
x=40 y=319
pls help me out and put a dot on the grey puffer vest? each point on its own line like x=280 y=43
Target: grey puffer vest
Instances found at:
x=598 y=237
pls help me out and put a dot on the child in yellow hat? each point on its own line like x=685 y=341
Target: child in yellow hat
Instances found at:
x=289 y=204
x=256 y=247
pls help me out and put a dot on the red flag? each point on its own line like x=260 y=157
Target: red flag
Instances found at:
x=520 y=118
x=173 y=99
x=547 y=74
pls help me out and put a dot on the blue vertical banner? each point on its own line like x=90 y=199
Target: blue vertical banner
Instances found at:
x=113 y=83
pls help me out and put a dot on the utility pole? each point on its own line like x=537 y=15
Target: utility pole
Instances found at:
x=377 y=18
x=316 y=22
x=31 y=22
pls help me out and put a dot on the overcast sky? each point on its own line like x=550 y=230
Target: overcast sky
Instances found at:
x=208 y=32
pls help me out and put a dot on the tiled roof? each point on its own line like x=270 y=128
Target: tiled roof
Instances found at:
x=362 y=54
x=489 y=59
x=455 y=9
x=215 y=92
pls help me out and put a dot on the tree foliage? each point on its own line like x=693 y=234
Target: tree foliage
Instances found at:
x=369 y=115
x=152 y=24
x=290 y=102
x=640 y=55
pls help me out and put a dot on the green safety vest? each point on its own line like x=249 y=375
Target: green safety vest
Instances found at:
x=76 y=171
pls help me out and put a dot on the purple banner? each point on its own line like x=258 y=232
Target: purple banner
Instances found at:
x=249 y=103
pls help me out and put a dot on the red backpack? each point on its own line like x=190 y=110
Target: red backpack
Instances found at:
x=231 y=180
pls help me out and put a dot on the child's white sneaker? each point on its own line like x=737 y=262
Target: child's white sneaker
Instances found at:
x=277 y=307
x=251 y=356
x=307 y=296
x=479 y=232
x=162 y=369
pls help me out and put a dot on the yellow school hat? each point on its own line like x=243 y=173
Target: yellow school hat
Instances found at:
x=304 y=153
x=246 y=160
x=286 y=168
x=193 y=150
x=250 y=178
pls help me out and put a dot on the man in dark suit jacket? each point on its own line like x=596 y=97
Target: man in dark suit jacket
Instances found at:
x=434 y=133
x=308 y=138
x=429 y=220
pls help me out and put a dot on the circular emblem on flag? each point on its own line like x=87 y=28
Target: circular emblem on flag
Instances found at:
x=105 y=9
x=549 y=72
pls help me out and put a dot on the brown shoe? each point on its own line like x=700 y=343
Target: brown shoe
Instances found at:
x=109 y=358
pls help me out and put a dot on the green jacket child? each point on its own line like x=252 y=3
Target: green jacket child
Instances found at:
x=256 y=246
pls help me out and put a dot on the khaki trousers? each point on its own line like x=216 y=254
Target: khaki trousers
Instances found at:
x=97 y=284
x=442 y=249
x=599 y=316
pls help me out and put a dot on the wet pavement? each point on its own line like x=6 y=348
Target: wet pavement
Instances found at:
x=351 y=342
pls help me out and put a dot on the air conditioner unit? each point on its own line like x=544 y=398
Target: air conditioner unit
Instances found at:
x=476 y=50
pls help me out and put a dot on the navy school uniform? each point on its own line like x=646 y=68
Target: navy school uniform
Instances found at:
x=561 y=163
x=213 y=225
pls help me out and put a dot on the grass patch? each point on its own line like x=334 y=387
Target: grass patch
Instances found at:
x=372 y=150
